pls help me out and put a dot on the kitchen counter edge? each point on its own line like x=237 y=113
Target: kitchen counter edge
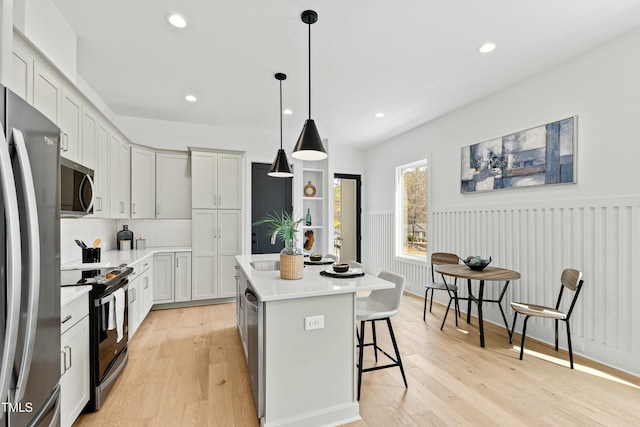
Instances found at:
x=114 y=258
x=270 y=287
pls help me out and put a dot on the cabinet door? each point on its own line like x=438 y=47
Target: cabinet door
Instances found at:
x=204 y=240
x=89 y=138
x=46 y=93
x=162 y=278
x=101 y=205
x=229 y=183
x=120 y=177
x=183 y=276
x=146 y=283
x=143 y=183
x=173 y=186
x=22 y=74
x=74 y=383
x=229 y=245
x=70 y=125
x=134 y=306
x=204 y=180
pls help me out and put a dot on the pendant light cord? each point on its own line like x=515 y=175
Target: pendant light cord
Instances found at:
x=281 y=114
x=309 y=71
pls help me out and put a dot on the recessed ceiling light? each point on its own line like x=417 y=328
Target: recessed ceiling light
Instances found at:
x=288 y=112
x=378 y=115
x=190 y=98
x=487 y=47
x=177 y=20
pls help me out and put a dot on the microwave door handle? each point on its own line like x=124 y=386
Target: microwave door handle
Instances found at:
x=85 y=179
x=13 y=268
x=33 y=234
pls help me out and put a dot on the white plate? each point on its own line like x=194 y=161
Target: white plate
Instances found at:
x=321 y=262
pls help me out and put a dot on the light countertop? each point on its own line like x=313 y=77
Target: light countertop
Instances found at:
x=70 y=293
x=270 y=287
x=114 y=258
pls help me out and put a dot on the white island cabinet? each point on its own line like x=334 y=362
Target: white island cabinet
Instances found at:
x=287 y=354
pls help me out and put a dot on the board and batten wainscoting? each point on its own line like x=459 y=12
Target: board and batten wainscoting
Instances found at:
x=599 y=237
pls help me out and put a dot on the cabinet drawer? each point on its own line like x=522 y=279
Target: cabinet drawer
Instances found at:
x=73 y=312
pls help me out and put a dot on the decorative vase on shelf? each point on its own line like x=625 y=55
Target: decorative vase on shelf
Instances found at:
x=309 y=189
x=308 y=217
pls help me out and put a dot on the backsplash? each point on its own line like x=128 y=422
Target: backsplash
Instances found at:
x=87 y=230
x=158 y=232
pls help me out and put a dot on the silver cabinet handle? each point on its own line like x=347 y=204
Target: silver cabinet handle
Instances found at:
x=33 y=233
x=134 y=208
x=146 y=282
x=177 y=262
x=66 y=319
x=157 y=209
x=66 y=368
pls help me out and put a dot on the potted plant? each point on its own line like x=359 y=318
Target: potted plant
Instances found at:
x=284 y=227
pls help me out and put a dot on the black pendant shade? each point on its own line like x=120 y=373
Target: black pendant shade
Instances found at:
x=280 y=167
x=309 y=145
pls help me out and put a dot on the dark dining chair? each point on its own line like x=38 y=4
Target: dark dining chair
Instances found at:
x=570 y=279
x=440 y=258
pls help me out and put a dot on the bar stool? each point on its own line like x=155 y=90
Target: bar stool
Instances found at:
x=380 y=304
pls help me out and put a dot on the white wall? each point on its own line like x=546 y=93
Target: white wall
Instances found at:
x=601 y=88
x=87 y=230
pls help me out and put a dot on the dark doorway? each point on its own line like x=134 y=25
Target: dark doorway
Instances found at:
x=347 y=210
x=268 y=194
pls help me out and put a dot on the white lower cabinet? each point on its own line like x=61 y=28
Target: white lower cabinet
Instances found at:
x=74 y=359
x=140 y=293
x=172 y=277
x=216 y=242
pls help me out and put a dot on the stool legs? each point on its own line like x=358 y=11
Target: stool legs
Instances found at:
x=361 y=345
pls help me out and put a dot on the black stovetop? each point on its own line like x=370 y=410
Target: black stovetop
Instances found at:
x=100 y=278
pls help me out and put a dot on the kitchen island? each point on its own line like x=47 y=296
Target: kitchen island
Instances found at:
x=300 y=342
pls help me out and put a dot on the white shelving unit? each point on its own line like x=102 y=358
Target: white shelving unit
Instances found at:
x=316 y=205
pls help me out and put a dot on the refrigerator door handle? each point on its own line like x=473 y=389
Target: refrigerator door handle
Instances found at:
x=13 y=268
x=33 y=237
x=85 y=179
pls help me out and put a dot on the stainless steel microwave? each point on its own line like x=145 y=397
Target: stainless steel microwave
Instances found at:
x=77 y=192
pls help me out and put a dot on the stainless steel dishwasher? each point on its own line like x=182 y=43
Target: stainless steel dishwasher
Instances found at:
x=255 y=349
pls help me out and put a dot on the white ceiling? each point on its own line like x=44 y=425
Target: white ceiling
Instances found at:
x=414 y=60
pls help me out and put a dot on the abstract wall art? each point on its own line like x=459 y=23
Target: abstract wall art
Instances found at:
x=541 y=155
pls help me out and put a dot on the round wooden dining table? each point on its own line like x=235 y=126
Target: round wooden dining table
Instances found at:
x=497 y=274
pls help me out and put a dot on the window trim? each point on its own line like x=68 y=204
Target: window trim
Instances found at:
x=399 y=235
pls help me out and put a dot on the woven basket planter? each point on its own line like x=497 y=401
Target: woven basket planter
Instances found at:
x=291 y=266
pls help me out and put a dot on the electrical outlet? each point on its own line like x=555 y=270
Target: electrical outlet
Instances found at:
x=313 y=322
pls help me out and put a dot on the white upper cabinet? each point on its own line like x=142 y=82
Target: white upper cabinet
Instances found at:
x=173 y=185
x=47 y=96
x=120 y=177
x=216 y=180
x=143 y=183
x=89 y=137
x=101 y=205
x=70 y=125
x=22 y=74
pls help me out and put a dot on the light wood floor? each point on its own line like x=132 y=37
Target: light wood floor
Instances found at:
x=186 y=368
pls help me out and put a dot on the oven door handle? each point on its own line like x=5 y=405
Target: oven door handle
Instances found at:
x=108 y=298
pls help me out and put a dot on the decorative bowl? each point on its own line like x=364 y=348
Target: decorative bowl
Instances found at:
x=315 y=257
x=340 y=268
x=476 y=263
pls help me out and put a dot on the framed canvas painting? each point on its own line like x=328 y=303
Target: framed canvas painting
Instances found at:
x=542 y=155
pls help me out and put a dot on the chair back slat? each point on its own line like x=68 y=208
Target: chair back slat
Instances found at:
x=440 y=258
x=570 y=278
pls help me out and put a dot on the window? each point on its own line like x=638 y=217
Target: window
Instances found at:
x=411 y=210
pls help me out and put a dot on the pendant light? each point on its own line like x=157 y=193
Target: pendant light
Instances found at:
x=309 y=145
x=280 y=167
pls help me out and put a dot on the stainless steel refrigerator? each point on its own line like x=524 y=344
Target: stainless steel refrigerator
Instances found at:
x=29 y=266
